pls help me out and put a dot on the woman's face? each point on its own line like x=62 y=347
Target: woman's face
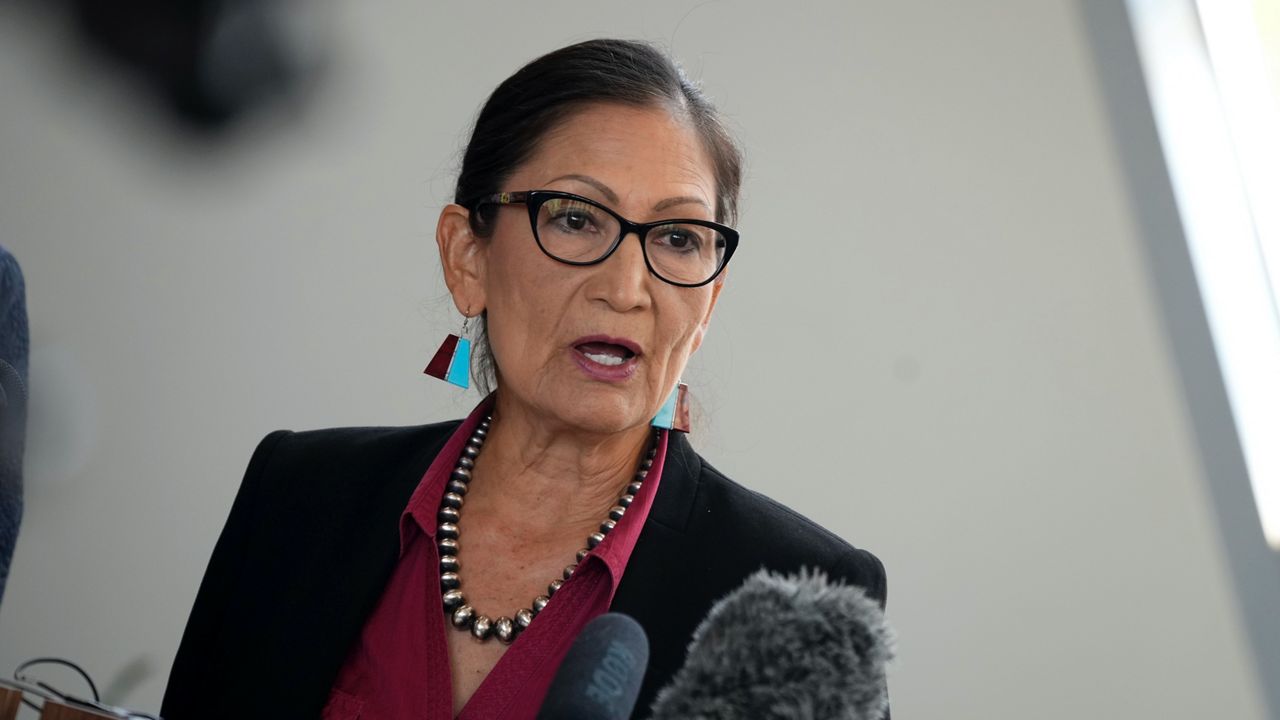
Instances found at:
x=598 y=347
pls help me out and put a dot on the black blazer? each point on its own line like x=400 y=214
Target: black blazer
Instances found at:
x=313 y=537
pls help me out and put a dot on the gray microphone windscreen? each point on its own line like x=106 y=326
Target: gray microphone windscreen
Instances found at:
x=784 y=647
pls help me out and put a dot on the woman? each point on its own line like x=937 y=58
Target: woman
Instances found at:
x=444 y=570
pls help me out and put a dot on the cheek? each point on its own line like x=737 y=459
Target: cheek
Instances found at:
x=685 y=327
x=526 y=301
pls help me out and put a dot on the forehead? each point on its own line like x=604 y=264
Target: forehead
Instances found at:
x=644 y=154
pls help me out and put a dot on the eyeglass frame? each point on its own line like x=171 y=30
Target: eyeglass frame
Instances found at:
x=535 y=199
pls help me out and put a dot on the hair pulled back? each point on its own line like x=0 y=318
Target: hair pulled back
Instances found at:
x=539 y=96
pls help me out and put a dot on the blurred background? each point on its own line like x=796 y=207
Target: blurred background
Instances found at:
x=961 y=213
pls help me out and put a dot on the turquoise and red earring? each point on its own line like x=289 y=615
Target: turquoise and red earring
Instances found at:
x=452 y=362
x=674 y=413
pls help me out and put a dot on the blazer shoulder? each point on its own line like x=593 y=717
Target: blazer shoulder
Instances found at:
x=347 y=452
x=357 y=443
x=784 y=536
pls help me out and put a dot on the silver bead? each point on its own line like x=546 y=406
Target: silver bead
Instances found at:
x=457 y=487
x=450 y=581
x=642 y=474
x=539 y=603
x=462 y=474
x=481 y=627
x=504 y=629
x=616 y=512
x=594 y=539
x=453 y=500
x=448 y=563
x=462 y=616
x=553 y=586
x=633 y=488
x=466 y=463
x=482 y=430
x=568 y=571
x=472 y=450
x=607 y=525
x=453 y=599
x=524 y=616
x=448 y=546
x=582 y=554
x=625 y=500
x=476 y=441
x=484 y=424
x=448 y=515
x=448 y=531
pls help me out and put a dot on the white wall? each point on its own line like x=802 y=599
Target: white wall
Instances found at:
x=934 y=215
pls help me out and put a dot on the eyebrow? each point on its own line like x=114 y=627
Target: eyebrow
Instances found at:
x=613 y=197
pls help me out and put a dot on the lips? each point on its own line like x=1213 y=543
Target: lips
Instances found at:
x=606 y=358
x=605 y=353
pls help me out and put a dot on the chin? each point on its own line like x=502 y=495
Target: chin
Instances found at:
x=603 y=415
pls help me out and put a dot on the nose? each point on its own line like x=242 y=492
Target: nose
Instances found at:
x=622 y=280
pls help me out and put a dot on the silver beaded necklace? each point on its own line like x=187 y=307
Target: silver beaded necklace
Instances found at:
x=462 y=614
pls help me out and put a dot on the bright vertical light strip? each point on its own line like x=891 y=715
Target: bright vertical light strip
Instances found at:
x=1209 y=170
x=1240 y=67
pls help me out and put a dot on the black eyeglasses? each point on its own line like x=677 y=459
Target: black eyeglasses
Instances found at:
x=580 y=231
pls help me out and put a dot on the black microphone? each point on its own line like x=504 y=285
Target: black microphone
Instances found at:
x=600 y=676
x=784 y=647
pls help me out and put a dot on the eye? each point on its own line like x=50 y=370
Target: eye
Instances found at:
x=569 y=216
x=680 y=238
x=574 y=220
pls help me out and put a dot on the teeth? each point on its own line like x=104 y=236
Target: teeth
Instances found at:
x=604 y=359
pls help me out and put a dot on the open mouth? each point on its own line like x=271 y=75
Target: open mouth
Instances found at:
x=605 y=353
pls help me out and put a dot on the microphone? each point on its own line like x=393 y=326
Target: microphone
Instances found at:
x=784 y=647
x=600 y=676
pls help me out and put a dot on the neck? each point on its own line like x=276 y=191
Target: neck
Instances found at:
x=538 y=480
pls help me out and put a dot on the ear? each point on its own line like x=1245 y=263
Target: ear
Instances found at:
x=716 y=286
x=463 y=256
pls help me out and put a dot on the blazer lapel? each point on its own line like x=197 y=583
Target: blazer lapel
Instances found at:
x=664 y=536
x=656 y=571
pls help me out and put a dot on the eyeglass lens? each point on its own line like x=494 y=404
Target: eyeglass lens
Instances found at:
x=579 y=232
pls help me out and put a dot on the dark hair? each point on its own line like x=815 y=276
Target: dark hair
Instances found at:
x=544 y=93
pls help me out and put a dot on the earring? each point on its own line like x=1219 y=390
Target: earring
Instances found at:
x=674 y=414
x=452 y=362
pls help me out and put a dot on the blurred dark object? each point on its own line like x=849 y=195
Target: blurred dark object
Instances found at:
x=210 y=60
x=14 y=345
x=54 y=704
